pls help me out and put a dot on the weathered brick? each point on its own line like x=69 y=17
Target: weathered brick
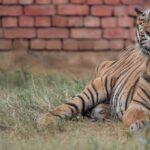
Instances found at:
x=25 y=21
x=93 y=2
x=101 y=10
x=75 y=21
x=109 y=22
x=101 y=45
x=60 y=1
x=133 y=1
x=42 y=21
x=125 y=22
x=128 y=43
x=120 y=11
x=132 y=34
x=73 y=9
x=116 y=33
x=1 y=32
x=20 y=44
x=5 y=44
x=53 y=33
x=26 y=2
x=9 y=1
x=53 y=45
x=40 y=10
x=59 y=21
x=112 y=2
x=92 y=22
x=83 y=33
x=9 y=22
x=43 y=1
x=10 y=10
x=19 y=33
x=116 y=44
x=70 y=44
x=38 y=44
x=86 y=44
x=78 y=1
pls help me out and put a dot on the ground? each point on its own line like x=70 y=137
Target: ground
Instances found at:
x=23 y=96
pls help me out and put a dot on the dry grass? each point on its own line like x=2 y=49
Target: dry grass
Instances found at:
x=23 y=96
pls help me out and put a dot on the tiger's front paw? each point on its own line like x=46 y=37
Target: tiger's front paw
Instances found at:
x=138 y=125
x=46 y=120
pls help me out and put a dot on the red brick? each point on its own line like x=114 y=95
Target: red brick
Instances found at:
x=70 y=44
x=42 y=21
x=101 y=10
x=73 y=10
x=125 y=22
x=20 y=44
x=109 y=22
x=75 y=21
x=9 y=22
x=128 y=43
x=131 y=10
x=86 y=44
x=19 y=33
x=53 y=45
x=92 y=22
x=83 y=33
x=25 y=21
x=5 y=44
x=78 y=1
x=116 y=33
x=26 y=2
x=112 y=2
x=53 y=33
x=132 y=34
x=39 y=10
x=101 y=45
x=120 y=11
x=38 y=44
x=9 y=1
x=1 y=1
x=1 y=33
x=10 y=10
x=116 y=44
x=43 y=1
x=133 y=1
x=93 y=2
x=60 y=1
x=59 y=21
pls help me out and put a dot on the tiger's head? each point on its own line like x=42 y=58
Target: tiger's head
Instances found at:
x=142 y=32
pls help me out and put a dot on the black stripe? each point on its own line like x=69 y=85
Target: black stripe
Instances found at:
x=141 y=104
x=95 y=90
x=106 y=80
x=146 y=77
x=130 y=93
x=92 y=97
x=83 y=103
x=73 y=105
x=148 y=96
x=86 y=95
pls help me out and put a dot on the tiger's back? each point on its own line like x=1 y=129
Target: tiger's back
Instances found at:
x=127 y=71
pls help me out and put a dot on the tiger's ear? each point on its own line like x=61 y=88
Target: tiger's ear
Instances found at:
x=139 y=12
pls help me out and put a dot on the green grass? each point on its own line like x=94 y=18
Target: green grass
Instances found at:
x=23 y=96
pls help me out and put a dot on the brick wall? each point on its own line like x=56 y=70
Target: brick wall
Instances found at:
x=67 y=25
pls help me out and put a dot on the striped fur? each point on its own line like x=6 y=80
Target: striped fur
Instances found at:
x=121 y=89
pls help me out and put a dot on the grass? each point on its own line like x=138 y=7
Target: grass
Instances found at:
x=23 y=96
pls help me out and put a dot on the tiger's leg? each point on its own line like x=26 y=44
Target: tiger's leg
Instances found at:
x=96 y=92
x=100 y=112
x=138 y=112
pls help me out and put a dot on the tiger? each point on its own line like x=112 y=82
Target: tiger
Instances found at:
x=120 y=90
